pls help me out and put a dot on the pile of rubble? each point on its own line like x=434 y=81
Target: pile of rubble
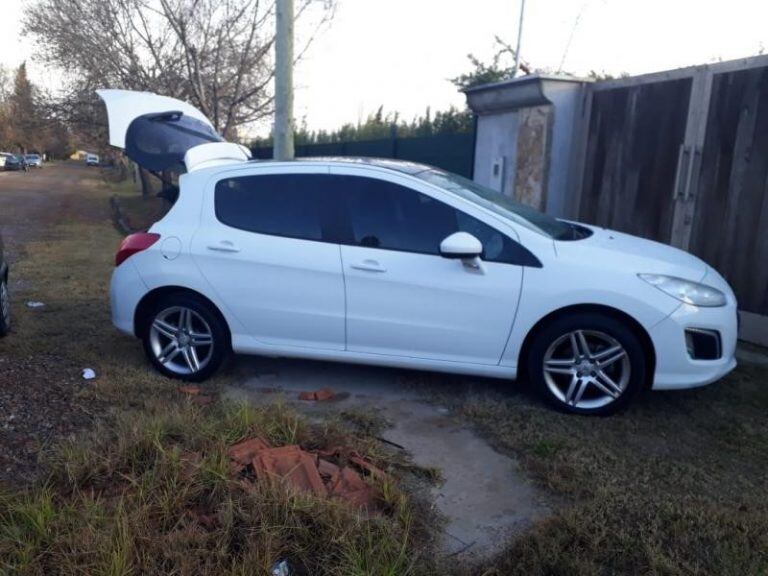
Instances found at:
x=319 y=472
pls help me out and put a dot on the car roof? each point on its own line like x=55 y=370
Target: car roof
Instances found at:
x=403 y=166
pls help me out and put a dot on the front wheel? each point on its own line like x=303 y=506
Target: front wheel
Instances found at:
x=587 y=364
x=184 y=338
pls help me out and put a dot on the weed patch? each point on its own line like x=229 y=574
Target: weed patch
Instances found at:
x=155 y=494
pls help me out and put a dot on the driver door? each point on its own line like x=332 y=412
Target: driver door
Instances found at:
x=402 y=297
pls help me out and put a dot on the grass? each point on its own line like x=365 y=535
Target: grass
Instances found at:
x=675 y=486
x=153 y=493
x=139 y=212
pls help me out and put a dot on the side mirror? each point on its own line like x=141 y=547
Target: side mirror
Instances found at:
x=461 y=245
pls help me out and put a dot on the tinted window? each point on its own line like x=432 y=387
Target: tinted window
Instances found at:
x=292 y=205
x=159 y=141
x=389 y=216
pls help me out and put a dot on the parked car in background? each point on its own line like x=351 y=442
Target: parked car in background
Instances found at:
x=92 y=160
x=3 y=157
x=33 y=160
x=400 y=264
x=16 y=162
x=5 y=299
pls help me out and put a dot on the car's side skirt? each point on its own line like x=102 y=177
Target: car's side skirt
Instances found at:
x=246 y=345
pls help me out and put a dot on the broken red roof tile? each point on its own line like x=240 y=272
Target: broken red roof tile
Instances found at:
x=292 y=464
x=363 y=464
x=244 y=452
x=321 y=395
x=190 y=390
x=309 y=471
x=349 y=486
x=327 y=470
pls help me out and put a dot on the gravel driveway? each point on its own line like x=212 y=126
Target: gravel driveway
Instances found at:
x=40 y=386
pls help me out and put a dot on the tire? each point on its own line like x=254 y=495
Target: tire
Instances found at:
x=5 y=308
x=587 y=363
x=185 y=338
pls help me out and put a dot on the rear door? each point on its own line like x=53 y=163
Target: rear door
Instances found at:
x=265 y=247
x=403 y=298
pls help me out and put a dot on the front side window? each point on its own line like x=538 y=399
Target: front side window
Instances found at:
x=389 y=216
x=386 y=215
x=289 y=205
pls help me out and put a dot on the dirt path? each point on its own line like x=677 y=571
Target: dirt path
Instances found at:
x=32 y=203
x=40 y=386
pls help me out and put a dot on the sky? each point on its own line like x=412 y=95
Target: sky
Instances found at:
x=401 y=53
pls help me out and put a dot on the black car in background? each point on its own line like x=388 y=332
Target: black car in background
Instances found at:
x=16 y=162
x=5 y=299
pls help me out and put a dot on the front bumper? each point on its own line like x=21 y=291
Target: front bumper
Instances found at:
x=675 y=369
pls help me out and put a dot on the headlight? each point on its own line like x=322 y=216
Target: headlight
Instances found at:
x=686 y=291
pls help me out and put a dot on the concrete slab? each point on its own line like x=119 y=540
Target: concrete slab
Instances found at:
x=484 y=497
x=750 y=354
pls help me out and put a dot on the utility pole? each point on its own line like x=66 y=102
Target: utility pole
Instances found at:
x=283 y=130
x=519 y=38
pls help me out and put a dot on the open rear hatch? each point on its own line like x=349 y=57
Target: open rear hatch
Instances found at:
x=158 y=132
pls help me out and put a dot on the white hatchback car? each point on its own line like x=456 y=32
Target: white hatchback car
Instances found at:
x=399 y=264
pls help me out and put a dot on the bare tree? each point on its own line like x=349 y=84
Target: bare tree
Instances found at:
x=216 y=54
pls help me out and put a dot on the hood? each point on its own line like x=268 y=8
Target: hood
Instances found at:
x=636 y=255
x=157 y=132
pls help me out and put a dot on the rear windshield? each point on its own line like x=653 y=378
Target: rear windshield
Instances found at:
x=159 y=141
x=501 y=205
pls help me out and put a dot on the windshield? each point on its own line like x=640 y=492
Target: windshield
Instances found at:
x=500 y=204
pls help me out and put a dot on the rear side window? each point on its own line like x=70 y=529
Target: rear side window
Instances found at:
x=385 y=215
x=290 y=205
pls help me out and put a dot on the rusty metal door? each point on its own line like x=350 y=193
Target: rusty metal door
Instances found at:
x=637 y=146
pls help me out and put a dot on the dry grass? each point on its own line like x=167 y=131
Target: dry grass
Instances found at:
x=139 y=212
x=675 y=486
x=68 y=268
x=154 y=494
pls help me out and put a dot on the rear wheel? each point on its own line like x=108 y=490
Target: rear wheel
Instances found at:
x=5 y=308
x=185 y=338
x=587 y=364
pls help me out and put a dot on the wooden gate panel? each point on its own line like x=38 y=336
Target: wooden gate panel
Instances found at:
x=635 y=133
x=730 y=229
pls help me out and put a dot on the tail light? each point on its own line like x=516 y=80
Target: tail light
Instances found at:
x=133 y=244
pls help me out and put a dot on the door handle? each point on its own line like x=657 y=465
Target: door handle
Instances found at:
x=224 y=246
x=369 y=266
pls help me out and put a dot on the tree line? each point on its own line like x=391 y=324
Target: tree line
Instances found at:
x=27 y=121
x=380 y=125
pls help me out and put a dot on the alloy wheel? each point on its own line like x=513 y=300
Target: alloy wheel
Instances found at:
x=181 y=340
x=586 y=369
